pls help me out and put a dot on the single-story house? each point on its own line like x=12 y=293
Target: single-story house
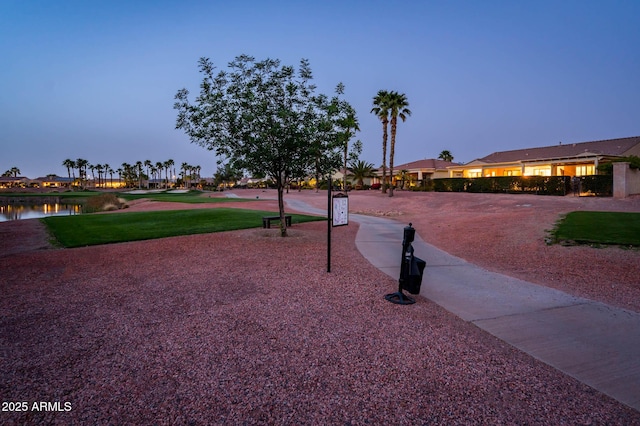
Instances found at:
x=53 y=181
x=14 y=182
x=411 y=174
x=574 y=159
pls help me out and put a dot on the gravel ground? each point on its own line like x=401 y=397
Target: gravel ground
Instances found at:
x=506 y=233
x=245 y=327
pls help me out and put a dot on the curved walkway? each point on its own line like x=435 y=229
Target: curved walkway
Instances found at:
x=595 y=343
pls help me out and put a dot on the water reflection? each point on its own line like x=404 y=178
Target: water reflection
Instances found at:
x=34 y=211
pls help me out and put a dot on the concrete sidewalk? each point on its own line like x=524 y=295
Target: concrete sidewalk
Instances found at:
x=597 y=344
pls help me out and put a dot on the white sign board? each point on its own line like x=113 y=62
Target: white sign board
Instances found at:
x=340 y=214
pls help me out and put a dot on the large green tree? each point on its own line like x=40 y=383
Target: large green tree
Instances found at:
x=226 y=175
x=263 y=117
x=398 y=107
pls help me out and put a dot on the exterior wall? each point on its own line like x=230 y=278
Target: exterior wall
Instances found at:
x=440 y=174
x=573 y=168
x=625 y=180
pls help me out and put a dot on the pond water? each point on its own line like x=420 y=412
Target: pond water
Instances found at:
x=19 y=211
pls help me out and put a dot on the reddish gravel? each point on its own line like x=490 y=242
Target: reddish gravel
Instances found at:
x=245 y=327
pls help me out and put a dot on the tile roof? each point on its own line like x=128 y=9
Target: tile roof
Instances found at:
x=430 y=163
x=613 y=147
x=54 y=179
x=12 y=179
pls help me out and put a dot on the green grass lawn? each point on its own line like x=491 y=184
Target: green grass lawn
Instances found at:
x=607 y=228
x=92 y=229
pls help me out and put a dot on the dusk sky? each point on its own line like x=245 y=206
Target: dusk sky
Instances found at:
x=97 y=79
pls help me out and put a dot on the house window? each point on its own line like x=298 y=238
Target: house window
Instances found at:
x=474 y=173
x=585 y=170
x=537 y=171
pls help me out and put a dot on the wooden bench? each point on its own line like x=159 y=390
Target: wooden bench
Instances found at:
x=266 y=220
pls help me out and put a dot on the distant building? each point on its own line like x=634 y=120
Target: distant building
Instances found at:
x=574 y=159
x=52 y=181
x=413 y=173
x=14 y=182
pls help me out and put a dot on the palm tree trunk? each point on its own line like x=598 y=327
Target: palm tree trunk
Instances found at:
x=385 y=136
x=394 y=124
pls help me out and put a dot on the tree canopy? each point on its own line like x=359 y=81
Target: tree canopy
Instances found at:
x=265 y=118
x=446 y=155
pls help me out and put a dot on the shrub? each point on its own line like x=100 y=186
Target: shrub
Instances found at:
x=543 y=185
x=103 y=202
x=607 y=168
x=599 y=185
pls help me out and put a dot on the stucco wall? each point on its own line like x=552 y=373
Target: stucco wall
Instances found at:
x=625 y=180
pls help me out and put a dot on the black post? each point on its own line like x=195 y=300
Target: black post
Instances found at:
x=329 y=223
x=399 y=297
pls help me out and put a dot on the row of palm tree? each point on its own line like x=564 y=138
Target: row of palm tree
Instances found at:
x=388 y=106
x=163 y=173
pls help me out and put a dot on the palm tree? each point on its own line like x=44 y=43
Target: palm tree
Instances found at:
x=349 y=126
x=70 y=165
x=183 y=173
x=168 y=164
x=99 y=168
x=82 y=164
x=361 y=169
x=381 y=110
x=15 y=171
x=93 y=173
x=402 y=176
x=147 y=165
x=446 y=156
x=127 y=173
x=397 y=104
x=108 y=170
x=197 y=169
x=154 y=172
x=139 y=170
x=159 y=168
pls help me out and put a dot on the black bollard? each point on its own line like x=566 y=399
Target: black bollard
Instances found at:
x=411 y=270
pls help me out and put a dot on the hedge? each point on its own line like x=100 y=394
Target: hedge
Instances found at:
x=541 y=185
x=598 y=185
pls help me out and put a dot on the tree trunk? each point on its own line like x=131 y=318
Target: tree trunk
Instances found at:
x=394 y=124
x=283 y=225
x=344 y=176
x=384 y=155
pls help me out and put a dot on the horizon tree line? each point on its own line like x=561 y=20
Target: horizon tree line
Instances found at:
x=134 y=174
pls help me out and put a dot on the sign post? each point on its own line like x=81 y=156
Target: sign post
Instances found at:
x=337 y=215
x=340 y=216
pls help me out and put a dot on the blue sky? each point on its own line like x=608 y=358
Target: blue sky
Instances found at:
x=96 y=79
